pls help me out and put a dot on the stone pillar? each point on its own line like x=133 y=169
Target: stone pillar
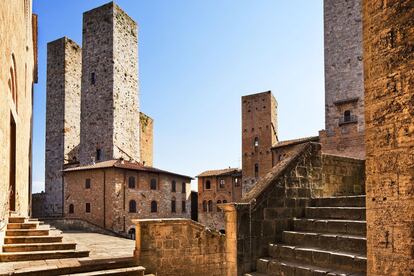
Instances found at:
x=389 y=116
x=137 y=251
x=230 y=217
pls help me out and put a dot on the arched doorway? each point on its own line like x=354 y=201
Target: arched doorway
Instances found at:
x=131 y=233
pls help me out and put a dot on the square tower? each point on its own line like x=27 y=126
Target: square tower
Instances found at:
x=259 y=134
x=64 y=66
x=344 y=80
x=109 y=108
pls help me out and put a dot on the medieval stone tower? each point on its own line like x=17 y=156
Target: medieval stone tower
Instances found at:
x=259 y=134
x=109 y=109
x=344 y=80
x=62 y=116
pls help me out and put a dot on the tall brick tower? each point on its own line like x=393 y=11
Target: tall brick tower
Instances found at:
x=344 y=80
x=62 y=117
x=259 y=134
x=110 y=108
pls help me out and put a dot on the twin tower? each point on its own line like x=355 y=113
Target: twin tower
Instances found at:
x=92 y=100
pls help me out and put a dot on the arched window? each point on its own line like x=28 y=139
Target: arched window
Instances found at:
x=131 y=182
x=131 y=233
x=154 y=206
x=218 y=202
x=173 y=205
x=132 y=206
x=183 y=188
x=204 y=206
x=208 y=185
x=256 y=142
x=347 y=116
x=71 y=209
x=173 y=186
x=224 y=201
x=210 y=206
x=153 y=184
x=256 y=170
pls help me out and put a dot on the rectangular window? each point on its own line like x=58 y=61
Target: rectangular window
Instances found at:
x=93 y=79
x=88 y=183
x=88 y=207
x=183 y=188
x=98 y=154
x=173 y=209
x=256 y=170
x=183 y=207
x=222 y=184
x=236 y=182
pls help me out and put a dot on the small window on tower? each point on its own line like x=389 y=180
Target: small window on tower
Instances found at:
x=88 y=183
x=347 y=116
x=208 y=185
x=222 y=183
x=71 y=209
x=256 y=170
x=256 y=142
x=88 y=207
x=93 y=78
x=98 y=154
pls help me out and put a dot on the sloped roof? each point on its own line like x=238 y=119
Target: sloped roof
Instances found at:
x=123 y=164
x=221 y=172
x=296 y=141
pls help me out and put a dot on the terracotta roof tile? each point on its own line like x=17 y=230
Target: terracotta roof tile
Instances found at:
x=221 y=172
x=296 y=141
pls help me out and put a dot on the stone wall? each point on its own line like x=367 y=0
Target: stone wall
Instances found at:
x=18 y=65
x=38 y=201
x=146 y=136
x=109 y=123
x=342 y=176
x=109 y=197
x=259 y=120
x=344 y=86
x=180 y=247
x=64 y=66
x=389 y=90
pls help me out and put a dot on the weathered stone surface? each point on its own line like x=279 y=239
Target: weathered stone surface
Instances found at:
x=389 y=86
x=146 y=138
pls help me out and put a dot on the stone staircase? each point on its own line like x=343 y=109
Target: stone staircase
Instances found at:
x=28 y=239
x=329 y=240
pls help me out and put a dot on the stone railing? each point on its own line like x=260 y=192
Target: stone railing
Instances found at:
x=181 y=247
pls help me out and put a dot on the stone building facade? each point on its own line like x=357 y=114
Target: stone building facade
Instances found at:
x=259 y=134
x=216 y=187
x=64 y=67
x=111 y=193
x=18 y=63
x=109 y=69
x=389 y=115
x=344 y=80
x=146 y=135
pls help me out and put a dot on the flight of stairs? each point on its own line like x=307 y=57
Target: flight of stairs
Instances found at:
x=28 y=239
x=329 y=240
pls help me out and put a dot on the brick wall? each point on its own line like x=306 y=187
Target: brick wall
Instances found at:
x=180 y=247
x=389 y=89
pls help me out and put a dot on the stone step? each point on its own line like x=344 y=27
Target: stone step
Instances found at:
x=351 y=227
x=333 y=242
x=136 y=270
x=27 y=232
x=26 y=225
x=313 y=256
x=38 y=247
x=255 y=274
x=32 y=239
x=270 y=266
x=41 y=255
x=17 y=219
x=339 y=201
x=346 y=213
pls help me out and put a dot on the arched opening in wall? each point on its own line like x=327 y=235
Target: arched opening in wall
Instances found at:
x=222 y=231
x=131 y=233
x=132 y=206
x=210 y=206
x=224 y=201
x=153 y=184
x=347 y=116
x=71 y=209
x=218 y=202
x=154 y=206
x=173 y=205
x=204 y=206
x=208 y=185
x=131 y=182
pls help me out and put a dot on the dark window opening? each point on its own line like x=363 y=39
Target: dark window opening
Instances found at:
x=210 y=206
x=256 y=142
x=173 y=206
x=204 y=206
x=131 y=233
x=153 y=206
x=224 y=201
x=88 y=207
x=153 y=184
x=132 y=206
x=98 y=154
x=131 y=182
x=88 y=183
x=208 y=185
x=183 y=188
x=222 y=184
x=71 y=209
x=218 y=202
x=93 y=78
x=173 y=184
x=236 y=182
x=256 y=170
x=347 y=116
x=183 y=206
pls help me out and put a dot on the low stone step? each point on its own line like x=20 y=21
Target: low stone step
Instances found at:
x=32 y=239
x=332 y=242
x=27 y=232
x=255 y=274
x=41 y=255
x=17 y=219
x=351 y=227
x=340 y=201
x=136 y=270
x=347 y=213
x=279 y=267
x=313 y=256
x=38 y=247
x=26 y=225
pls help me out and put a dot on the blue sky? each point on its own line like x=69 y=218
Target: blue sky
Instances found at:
x=196 y=59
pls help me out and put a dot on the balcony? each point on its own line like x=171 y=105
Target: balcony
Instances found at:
x=351 y=119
